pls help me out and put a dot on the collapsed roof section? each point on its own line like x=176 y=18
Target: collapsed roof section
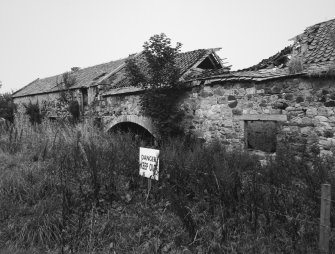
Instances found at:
x=278 y=60
x=314 y=49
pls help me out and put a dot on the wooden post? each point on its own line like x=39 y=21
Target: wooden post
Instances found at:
x=149 y=188
x=325 y=218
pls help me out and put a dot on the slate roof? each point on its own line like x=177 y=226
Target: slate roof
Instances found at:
x=318 y=42
x=107 y=73
x=84 y=77
x=184 y=61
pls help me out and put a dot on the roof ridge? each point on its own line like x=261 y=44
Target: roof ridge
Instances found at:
x=205 y=49
x=84 y=68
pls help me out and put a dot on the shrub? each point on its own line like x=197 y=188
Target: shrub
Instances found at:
x=74 y=110
x=295 y=65
x=7 y=107
x=34 y=113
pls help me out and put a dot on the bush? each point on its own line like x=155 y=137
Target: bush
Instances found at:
x=7 y=107
x=34 y=113
x=74 y=110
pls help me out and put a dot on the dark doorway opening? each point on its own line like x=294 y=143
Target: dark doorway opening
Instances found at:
x=261 y=135
x=138 y=132
x=85 y=96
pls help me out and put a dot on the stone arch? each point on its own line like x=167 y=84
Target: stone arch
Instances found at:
x=143 y=121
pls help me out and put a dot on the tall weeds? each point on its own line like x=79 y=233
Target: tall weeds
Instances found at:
x=75 y=188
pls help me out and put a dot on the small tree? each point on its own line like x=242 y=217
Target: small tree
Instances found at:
x=67 y=81
x=159 y=75
x=155 y=70
x=66 y=95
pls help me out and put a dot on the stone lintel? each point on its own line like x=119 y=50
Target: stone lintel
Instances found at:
x=262 y=117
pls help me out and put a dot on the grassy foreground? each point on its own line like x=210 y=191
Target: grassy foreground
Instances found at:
x=66 y=189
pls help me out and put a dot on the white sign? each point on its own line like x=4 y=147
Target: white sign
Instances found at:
x=149 y=163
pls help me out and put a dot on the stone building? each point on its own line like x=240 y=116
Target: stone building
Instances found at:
x=103 y=91
x=289 y=97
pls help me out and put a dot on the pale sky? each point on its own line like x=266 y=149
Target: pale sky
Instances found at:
x=41 y=38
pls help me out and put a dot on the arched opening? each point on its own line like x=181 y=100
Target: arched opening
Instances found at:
x=138 y=132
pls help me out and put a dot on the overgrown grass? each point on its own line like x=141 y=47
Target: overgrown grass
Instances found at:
x=74 y=188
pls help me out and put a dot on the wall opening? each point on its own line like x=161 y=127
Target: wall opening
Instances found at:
x=261 y=135
x=209 y=63
x=84 y=92
x=139 y=133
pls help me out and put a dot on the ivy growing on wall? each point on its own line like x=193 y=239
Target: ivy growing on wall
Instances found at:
x=67 y=97
x=155 y=71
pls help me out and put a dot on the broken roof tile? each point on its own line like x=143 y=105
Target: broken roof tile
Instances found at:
x=265 y=74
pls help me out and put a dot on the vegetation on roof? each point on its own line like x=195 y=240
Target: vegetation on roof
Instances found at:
x=280 y=59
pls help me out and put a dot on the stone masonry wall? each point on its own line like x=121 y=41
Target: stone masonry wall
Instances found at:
x=118 y=105
x=302 y=108
x=50 y=103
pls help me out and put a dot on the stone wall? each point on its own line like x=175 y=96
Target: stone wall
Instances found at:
x=111 y=108
x=50 y=103
x=302 y=110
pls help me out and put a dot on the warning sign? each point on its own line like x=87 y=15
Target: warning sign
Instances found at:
x=149 y=163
